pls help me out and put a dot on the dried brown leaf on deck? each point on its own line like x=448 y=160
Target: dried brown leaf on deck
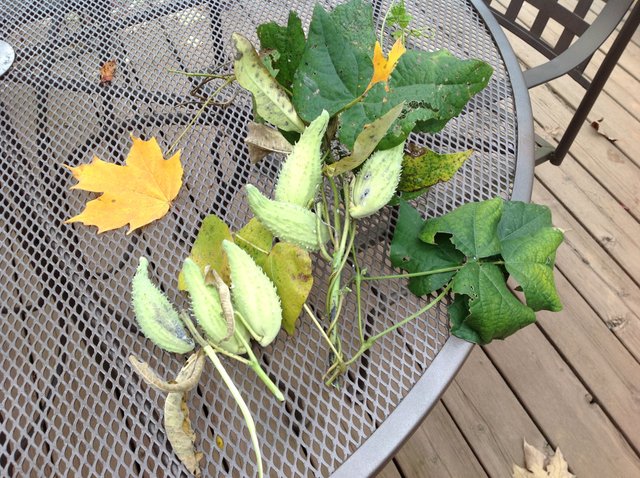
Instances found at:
x=535 y=460
x=597 y=125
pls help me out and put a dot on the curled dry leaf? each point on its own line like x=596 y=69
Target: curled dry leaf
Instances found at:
x=178 y=426
x=225 y=300
x=262 y=140
x=107 y=72
x=192 y=371
x=597 y=125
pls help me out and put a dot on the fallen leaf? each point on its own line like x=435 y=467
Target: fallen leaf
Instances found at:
x=383 y=67
x=597 y=125
x=534 y=462
x=136 y=194
x=189 y=379
x=429 y=168
x=107 y=72
x=178 y=426
x=262 y=140
x=207 y=248
x=256 y=240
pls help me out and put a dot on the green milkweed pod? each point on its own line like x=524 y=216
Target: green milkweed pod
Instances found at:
x=155 y=315
x=206 y=306
x=254 y=295
x=289 y=222
x=376 y=182
x=301 y=173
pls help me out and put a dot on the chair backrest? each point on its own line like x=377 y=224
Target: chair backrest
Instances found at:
x=578 y=39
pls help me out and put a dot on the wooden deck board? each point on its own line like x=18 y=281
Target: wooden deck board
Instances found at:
x=573 y=380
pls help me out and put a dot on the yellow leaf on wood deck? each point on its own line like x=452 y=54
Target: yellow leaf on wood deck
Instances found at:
x=136 y=194
x=383 y=67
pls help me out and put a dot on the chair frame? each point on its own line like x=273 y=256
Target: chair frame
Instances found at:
x=571 y=58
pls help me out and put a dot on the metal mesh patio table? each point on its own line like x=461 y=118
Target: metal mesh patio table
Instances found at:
x=71 y=404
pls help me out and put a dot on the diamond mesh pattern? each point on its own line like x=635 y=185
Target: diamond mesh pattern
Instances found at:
x=71 y=404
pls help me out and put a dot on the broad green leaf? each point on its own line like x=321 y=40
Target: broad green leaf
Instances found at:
x=366 y=142
x=458 y=311
x=529 y=244
x=262 y=140
x=494 y=312
x=271 y=101
x=336 y=65
x=435 y=87
x=420 y=172
x=411 y=254
x=207 y=248
x=289 y=268
x=256 y=240
x=289 y=42
x=473 y=228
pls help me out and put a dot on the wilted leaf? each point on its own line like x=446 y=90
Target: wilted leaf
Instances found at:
x=383 y=67
x=289 y=268
x=178 y=427
x=107 y=72
x=534 y=461
x=262 y=140
x=136 y=194
x=272 y=102
x=255 y=239
x=288 y=41
x=429 y=168
x=366 y=142
x=207 y=248
x=193 y=369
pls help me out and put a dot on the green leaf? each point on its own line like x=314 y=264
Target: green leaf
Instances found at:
x=289 y=42
x=336 y=65
x=289 y=268
x=366 y=142
x=412 y=255
x=255 y=240
x=494 y=312
x=429 y=168
x=529 y=244
x=473 y=228
x=458 y=311
x=207 y=248
x=435 y=87
x=271 y=101
x=398 y=15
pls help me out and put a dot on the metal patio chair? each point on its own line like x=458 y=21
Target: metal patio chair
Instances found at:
x=571 y=53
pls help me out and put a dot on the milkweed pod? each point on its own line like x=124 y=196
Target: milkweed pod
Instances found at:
x=289 y=222
x=254 y=295
x=206 y=306
x=376 y=182
x=155 y=315
x=301 y=173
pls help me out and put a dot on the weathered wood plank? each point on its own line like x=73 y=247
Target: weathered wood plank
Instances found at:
x=605 y=219
x=489 y=416
x=602 y=283
x=602 y=159
x=389 y=471
x=563 y=408
x=438 y=449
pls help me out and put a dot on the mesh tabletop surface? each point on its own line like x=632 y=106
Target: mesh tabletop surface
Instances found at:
x=71 y=404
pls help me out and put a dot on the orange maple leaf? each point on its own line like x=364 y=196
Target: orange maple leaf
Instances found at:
x=136 y=194
x=383 y=67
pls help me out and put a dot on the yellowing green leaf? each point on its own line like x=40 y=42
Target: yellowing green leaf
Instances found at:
x=289 y=268
x=255 y=239
x=272 y=102
x=366 y=142
x=429 y=168
x=136 y=194
x=207 y=248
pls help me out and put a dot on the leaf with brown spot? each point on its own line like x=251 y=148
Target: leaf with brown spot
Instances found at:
x=289 y=268
x=597 y=125
x=107 y=72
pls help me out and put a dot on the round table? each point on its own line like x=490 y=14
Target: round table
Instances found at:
x=72 y=406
